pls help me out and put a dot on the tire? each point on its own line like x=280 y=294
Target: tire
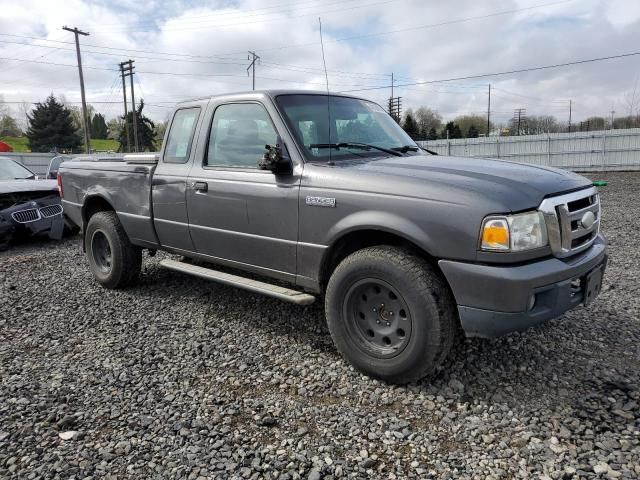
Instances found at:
x=114 y=261
x=398 y=346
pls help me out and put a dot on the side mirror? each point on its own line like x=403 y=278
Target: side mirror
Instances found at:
x=276 y=158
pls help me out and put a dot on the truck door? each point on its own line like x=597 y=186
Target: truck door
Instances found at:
x=169 y=184
x=240 y=215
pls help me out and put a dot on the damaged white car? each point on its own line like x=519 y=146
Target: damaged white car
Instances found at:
x=28 y=206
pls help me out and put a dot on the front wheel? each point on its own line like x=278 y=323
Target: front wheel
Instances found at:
x=114 y=261
x=390 y=314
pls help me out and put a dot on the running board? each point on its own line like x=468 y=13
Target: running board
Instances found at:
x=282 y=293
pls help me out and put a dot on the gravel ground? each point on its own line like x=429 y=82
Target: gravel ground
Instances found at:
x=180 y=378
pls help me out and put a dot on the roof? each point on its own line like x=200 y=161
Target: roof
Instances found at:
x=269 y=93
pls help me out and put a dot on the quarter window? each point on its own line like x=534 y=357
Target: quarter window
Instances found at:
x=239 y=133
x=181 y=135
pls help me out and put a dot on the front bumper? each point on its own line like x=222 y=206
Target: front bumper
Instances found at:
x=494 y=300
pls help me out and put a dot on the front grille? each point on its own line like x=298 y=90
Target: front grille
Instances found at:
x=26 y=216
x=51 y=211
x=573 y=221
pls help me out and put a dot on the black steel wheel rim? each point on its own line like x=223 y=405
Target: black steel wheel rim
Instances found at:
x=101 y=251
x=377 y=318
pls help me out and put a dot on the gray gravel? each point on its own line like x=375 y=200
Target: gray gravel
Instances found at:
x=180 y=378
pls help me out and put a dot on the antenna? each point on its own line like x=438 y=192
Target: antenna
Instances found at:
x=326 y=77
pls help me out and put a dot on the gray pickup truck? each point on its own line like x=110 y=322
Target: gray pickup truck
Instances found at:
x=327 y=195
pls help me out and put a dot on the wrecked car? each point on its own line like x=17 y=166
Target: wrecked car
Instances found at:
x=28 y=206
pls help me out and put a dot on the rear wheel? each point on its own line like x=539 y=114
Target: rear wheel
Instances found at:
x=114 y=261
x=390 y=314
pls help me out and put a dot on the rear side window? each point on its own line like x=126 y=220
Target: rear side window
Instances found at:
x=180 y=136
x=239 y=133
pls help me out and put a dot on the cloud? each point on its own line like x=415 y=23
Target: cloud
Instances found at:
x=431 y=42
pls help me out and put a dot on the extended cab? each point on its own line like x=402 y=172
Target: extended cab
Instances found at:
x=328 y=194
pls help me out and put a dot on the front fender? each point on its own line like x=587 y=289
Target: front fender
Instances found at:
x=382 y=221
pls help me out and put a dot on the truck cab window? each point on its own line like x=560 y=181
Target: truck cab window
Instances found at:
x=181 y=135
x=239 y=133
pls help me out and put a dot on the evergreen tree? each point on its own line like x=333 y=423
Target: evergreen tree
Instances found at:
x=473 y=132
x=98 y=127
x=9 y=126
x=453 y=129
x=410 y=126
x=51 y=127
x=146 y=131
x=432 y=135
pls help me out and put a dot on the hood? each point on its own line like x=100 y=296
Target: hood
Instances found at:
x=515 y=186
x=19 y=186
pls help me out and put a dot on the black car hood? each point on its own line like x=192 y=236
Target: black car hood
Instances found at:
x=516 y=185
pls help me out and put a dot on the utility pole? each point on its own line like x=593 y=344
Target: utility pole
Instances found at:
x=391 y=84
x=395 y=108
x=85 y=119
x=124 y=97
x=519 y=117
x=253 y=57
x=612 y=112
x=489 y=112
x=133 y=109
x=127 y=69
x=570 y=105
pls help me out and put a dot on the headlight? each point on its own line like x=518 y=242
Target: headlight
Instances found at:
x=514 y=233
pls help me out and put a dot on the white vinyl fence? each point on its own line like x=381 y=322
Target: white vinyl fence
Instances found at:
x=579 y=151
x=603 y=150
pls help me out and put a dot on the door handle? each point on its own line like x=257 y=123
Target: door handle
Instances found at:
x=200 y=186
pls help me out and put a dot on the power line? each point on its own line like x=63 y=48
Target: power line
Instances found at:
x=507 y=72
x=236 y=24
x=353 y=37
x=234 y=14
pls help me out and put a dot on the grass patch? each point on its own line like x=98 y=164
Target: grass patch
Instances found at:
x=105 y=145
x=20 y=144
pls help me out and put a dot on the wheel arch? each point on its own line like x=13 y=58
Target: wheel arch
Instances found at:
x=358 y=238
x=94 y=204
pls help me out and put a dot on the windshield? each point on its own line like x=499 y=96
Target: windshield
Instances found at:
x=338 y=127
x=11 y=170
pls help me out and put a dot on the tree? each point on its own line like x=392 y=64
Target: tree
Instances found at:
x=427 y=120
x=146 y=131
x=465 y=122
x=115 y=127
x=76 y=116
x=473 y=132
x=98 y=127
x=538 y=124
x=51 y=127
x=432 y=135
x=161 y=128
x=452 y=129
x=410 y=126
x=9 y=126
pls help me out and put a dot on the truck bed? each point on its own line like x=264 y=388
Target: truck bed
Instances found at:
x=122 y=181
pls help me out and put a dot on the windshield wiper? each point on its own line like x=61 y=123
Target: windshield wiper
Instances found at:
x=362 y=146
x=407 y=148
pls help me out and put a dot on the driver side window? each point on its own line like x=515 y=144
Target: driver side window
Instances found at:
x=238 y=135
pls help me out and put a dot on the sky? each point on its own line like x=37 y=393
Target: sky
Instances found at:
x=186 y=49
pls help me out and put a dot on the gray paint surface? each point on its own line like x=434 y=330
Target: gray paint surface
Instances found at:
x=263 y=222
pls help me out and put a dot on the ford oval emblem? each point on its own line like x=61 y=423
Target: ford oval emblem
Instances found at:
x=587 y=220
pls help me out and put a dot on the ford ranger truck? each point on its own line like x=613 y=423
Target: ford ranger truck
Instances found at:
x=297 y=194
